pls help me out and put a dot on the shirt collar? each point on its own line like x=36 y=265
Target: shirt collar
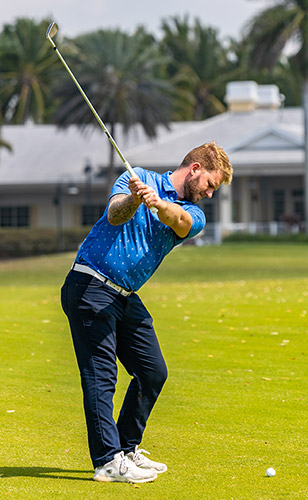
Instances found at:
x=168 y=187
x=167 y=184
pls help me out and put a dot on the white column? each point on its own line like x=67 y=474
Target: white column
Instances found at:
x=244 y=200
x=225 y=208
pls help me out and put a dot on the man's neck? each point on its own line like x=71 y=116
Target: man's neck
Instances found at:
x=177 y=178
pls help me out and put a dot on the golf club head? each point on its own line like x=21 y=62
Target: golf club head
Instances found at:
x=52 y=30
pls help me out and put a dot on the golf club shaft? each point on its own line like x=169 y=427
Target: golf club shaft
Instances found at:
x=98 y=118
x=100 y=121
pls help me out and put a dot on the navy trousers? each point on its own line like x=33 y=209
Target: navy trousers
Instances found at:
x=106 y=325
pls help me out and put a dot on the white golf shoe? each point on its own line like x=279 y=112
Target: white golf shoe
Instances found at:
x=123 y=470
x=143 y=462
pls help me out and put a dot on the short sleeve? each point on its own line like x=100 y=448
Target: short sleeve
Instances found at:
x=121 y=184
x=198 y=219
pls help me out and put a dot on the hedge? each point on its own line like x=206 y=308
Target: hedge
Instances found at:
x=27 y=242
x=266 y=238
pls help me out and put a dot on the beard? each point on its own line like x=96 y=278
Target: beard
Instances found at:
x=191 y=190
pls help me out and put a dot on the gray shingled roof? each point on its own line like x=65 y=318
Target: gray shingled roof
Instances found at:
x=43 y=153
x=233 y=132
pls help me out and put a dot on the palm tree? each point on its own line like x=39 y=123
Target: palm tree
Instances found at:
x=121 y=75
x=198 y=62
x=27 y=69
x=268 y=34
x=285 y=74
x=5 y=144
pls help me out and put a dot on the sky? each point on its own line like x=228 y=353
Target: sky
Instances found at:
x=74 y=17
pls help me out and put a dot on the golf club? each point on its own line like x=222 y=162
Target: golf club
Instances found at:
x=50 y=33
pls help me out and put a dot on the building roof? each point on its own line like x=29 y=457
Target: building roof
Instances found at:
x=256 y=141
x=45 y=153
x=252 y=138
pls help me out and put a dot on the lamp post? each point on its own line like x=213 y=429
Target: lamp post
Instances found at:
x=64 y=186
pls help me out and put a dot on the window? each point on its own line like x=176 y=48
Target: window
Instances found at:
x=279 y=204
x=14 y=216
x=208 y=208
x=298 y=203
x=91 y=214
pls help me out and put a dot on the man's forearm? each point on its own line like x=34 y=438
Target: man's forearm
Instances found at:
x=121 y=209
x=168 y=212
x=175 y=217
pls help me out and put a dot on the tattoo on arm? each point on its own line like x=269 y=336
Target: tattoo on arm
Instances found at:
x=121 y=209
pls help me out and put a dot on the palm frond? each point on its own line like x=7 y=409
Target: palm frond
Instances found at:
x=269 y=32
x=121 y=78
x=28 y=68
x=5 y=144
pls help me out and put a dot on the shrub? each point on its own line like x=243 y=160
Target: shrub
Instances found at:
x=27 y=242
x=266 y=238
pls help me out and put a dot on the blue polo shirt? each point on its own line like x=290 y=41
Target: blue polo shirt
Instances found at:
x=128 y=254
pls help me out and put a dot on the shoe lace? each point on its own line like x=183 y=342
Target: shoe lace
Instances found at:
x=140 y=452
x=124 y=464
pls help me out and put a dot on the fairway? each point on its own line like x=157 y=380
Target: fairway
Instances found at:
x=232 y=323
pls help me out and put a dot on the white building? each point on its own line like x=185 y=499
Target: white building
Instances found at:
x=44 y=182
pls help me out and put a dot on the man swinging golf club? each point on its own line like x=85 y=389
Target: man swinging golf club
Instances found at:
x=147 y=215
x=108 y=319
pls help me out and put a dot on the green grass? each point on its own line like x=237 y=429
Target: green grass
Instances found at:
x=232 y=323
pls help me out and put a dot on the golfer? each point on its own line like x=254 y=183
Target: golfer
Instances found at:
x=106 y=316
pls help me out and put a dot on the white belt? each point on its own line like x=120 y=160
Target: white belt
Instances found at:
x=81 y=268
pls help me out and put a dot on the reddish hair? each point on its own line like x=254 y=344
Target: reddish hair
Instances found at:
x=211 y=157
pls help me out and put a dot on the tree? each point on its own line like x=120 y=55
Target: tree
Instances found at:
x=285 y=74
x=5 y=144
x=267 y=36
x=27 y=70
x=198 y=63
x=121 y=75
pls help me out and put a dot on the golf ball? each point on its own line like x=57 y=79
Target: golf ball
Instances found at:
x=270 y=472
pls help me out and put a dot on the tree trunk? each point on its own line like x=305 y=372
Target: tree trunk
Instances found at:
x=305 y=109
x=200 y=103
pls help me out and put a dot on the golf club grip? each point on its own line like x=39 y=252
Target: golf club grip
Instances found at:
x=132 y=174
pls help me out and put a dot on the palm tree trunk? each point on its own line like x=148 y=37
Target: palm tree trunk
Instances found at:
x=305 y=108
x=200 y=103
x=3 y=143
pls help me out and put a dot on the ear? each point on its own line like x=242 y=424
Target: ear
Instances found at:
x=195 y=168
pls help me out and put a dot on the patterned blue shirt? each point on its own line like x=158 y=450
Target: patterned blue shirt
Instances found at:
x=128 y=254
